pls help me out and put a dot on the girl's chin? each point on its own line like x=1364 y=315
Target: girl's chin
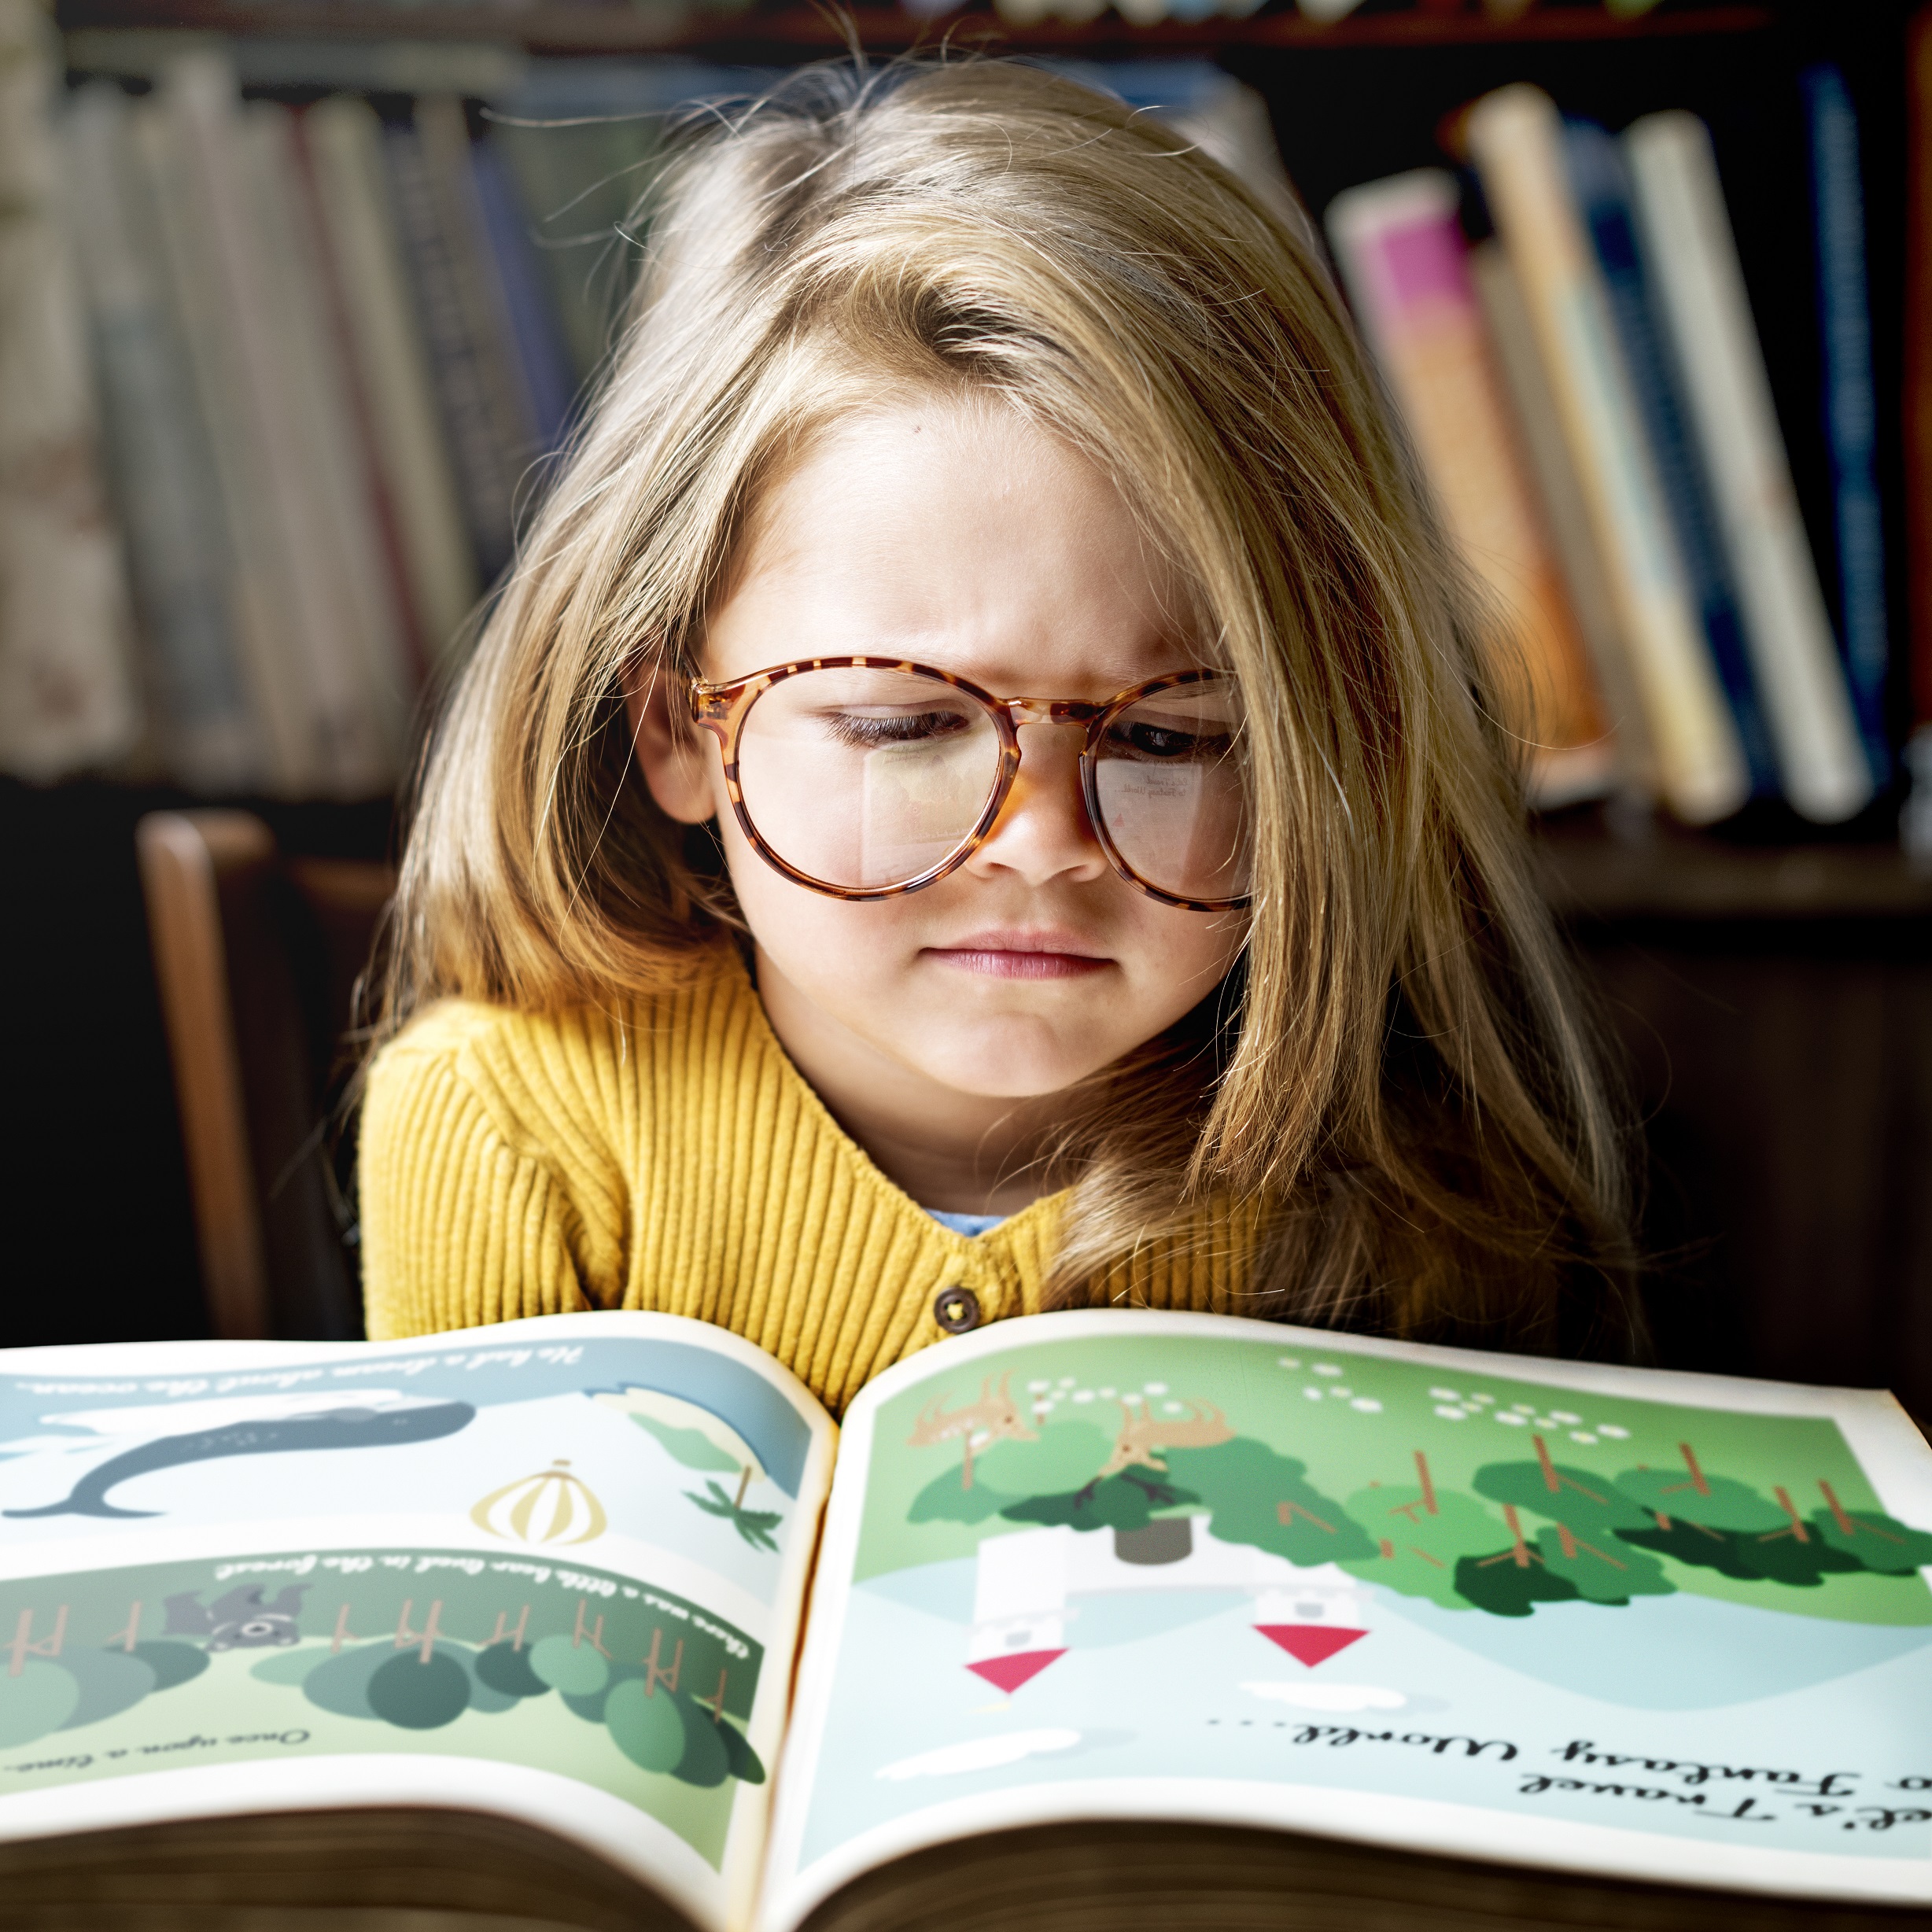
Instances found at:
x=1022 y=1070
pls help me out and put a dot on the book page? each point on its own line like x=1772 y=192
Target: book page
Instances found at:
x=1115 y=1565
x=238 y=1577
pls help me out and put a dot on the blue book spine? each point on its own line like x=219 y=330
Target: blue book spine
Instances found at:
x=541 y=357
x=484 y=486
x=1851 y=406
x=1602 y=186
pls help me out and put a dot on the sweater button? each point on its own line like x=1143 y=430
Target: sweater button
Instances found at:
x=957 y=1310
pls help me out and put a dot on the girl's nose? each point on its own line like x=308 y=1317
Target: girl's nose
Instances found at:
x=1043 y=831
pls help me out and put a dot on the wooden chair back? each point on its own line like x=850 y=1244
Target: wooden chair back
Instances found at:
x=257 y=958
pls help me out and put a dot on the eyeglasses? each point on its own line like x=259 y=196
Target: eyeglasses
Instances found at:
x=865 y=778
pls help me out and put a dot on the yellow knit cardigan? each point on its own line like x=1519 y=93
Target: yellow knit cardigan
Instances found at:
x=665 y=1154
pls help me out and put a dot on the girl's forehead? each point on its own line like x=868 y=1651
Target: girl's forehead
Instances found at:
x=955 y=533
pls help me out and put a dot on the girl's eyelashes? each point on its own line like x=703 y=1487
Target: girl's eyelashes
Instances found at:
x=1165 y=743
x=865 y=730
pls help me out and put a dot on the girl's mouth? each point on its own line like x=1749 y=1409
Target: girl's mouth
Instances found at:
x=1041 y=955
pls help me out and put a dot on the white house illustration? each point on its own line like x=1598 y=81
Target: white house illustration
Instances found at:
x=1029 y=1585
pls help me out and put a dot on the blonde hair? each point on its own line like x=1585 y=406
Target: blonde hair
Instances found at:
x=1398 y=1072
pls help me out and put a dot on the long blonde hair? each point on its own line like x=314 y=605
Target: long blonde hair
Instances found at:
x=1398 y=1076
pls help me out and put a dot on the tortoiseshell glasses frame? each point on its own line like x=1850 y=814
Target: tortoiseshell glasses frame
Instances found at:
x=721 y=710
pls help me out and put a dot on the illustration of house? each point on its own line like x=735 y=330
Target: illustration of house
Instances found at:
x=1030 y=1583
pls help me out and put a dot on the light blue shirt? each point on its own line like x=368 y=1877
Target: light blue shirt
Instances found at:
x=969 y=1225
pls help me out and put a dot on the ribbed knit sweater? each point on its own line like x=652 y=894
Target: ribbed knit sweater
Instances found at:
x=664 y=1153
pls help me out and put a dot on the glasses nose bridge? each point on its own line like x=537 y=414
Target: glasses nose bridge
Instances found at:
x=1070 y=714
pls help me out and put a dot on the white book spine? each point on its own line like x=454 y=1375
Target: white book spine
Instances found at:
x=344 y=143
x=1516 y=141
x=1690 y=250
x=68 y=694
x=366 y=630
x=345 y=749
x=261 y=589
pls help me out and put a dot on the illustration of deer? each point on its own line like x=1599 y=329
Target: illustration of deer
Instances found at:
x=1143 y=1436
x=993 y=1418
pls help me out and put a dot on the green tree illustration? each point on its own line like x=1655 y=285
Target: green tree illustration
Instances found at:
x=1592 y=1505
x=1497 y=1584
x=1260 y=1498
x=1128 y=1501
x=1584 y=1543
x=1063 y=1459
x=1421 y=1533
x=1604 y=1569
x=1882 y=1543
x=943 y=1501
x=1715 y=1522
x=755 y=1526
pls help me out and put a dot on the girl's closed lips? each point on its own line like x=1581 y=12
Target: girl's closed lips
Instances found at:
x=1020 y=955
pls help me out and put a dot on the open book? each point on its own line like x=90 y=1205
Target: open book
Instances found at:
x=1166 y=1619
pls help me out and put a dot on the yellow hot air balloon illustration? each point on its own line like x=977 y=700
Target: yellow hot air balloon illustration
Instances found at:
x=552 y=1506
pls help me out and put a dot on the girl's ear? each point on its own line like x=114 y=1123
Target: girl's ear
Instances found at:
x=672 y=753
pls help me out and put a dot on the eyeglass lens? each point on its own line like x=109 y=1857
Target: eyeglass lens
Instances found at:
x=865 y=780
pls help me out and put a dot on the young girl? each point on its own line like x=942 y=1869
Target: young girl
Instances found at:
x=983 y=792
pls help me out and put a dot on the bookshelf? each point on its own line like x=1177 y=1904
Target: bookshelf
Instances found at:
x=804 y=31
x=1755 y=975
x=1656 y=875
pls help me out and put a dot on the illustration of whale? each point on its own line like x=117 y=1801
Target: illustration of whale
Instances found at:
x=335 y=1428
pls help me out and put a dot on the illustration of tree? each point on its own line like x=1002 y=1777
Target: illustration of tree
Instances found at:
x=1260 y=1498
x=1587 y=1517
x=1512 y=1582
x=1715 y=1522
x=755 y=1525
x=1881 y=1542
x=943 y=1501
x=1691 y=1494
x=702 y=1441
x=1607 y=1571
x=1123 y=1503
x=1421 y=1533
x=1062 y=1456
x=1592 y=1505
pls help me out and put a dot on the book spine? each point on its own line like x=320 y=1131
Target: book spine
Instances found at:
x=265 y=647
x=233 y=174
x=1916 y=821
x=1516 y=141
x=367 y=668
x=1919 y=362
x=483 y=477
x=1851 y=402
x=68 y=696
x=1400 y=247
x=541 y=357
x=562 y=203
x=443 y=130
x=344 y=143
x=1687 y=240
x=326 y=273
x=163 y=472
x=1602 y=187
x=1560 y=491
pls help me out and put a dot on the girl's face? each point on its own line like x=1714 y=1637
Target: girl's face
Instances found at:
x=959 y=536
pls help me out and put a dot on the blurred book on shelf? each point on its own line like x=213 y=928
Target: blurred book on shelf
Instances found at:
x=1589 y=401
x=335 y=346
x=67 y=692
x=1916 y=821
x=1402 y=255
